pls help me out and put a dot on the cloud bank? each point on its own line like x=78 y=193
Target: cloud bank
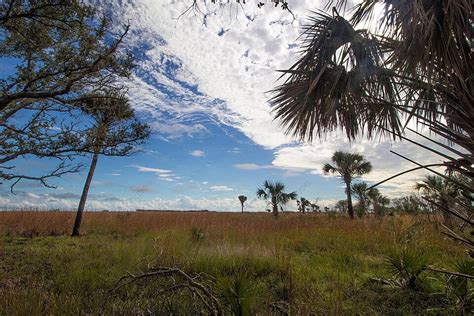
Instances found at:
x=217 y=69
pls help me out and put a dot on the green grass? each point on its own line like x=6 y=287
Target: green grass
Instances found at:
x=302 y=264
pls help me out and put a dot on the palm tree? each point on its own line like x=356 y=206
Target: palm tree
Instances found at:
x=348 y=166
x=359 y=190
x=303 y=204
x=274 y=193
x=242 y=199
x=341 y=206
x=114 y=133
x=315 y=207
x=369 y=82
x=441 y=192
x=415 y=64
x=378 y=201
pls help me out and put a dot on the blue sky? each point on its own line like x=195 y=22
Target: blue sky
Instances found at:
x=203 y=89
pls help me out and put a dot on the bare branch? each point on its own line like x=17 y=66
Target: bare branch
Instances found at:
x=204 y=292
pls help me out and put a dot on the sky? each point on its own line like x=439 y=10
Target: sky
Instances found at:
x=202 y=83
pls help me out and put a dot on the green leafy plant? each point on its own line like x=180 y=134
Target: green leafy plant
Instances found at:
x=240 y=292
x=460 y=289
x=406 y=267
x=197 y=234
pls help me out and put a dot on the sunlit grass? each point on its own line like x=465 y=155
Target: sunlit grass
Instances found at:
x=310 y=263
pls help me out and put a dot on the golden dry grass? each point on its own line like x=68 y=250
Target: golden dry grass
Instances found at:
x=315 y=263
x=41 y=223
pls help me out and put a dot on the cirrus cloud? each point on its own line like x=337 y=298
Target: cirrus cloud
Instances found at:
x=197 y=153
x=220 y=188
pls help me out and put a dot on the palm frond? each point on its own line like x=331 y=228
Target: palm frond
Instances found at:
x=330 y=85
x=284 y=198
x=363 y=83
x=261 y=193
x=328 y=168
x=363 y=168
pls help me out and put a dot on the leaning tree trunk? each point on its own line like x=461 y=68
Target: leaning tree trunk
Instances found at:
x=85 y=191
x=350 y=208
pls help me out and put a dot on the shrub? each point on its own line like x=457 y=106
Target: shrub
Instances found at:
x=406 y=267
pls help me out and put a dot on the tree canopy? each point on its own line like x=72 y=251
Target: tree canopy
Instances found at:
x=63 y=53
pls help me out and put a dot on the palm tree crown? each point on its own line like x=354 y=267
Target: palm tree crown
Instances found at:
x=366 y=82
x=378 y=200
x=437 y=187
x=242 y=199
x=440 y=191
x=348 y=166
x=274 y=193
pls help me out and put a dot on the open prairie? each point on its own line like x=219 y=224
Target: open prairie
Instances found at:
x=343 y=130
x=251 y=263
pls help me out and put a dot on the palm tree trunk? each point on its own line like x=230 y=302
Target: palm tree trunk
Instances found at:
x=446 y=216
x=350 y=208
x=376 y=208
x=85 y=191
x=242 y=207
x=275 y=207
x=362 y=205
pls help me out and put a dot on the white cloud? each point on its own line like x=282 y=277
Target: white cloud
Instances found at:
x=189 y=76
x=197 y=153
x=166 y=179
x=312 y=157
x=96 y=202
x=157 y=171
x=178 y=130
x=234 y=150
x=32 y=195
x=290 y=170
x=220 y=188
x=141 y=188
x=225 y=83
x=165 y=175
x=252 y=166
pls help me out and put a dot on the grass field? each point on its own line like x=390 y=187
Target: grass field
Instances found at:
x=299 y=264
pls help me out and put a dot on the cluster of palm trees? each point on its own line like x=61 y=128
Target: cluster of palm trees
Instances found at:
x=369 y=197
x=438 y=192
x=414 y=64
x=445 y=197
x=305 y=205
x=347 y=166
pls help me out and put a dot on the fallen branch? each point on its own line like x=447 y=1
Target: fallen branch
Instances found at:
x=203 y=292
x=467 y=276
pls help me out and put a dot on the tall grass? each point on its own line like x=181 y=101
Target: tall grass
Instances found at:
x=300 y=263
